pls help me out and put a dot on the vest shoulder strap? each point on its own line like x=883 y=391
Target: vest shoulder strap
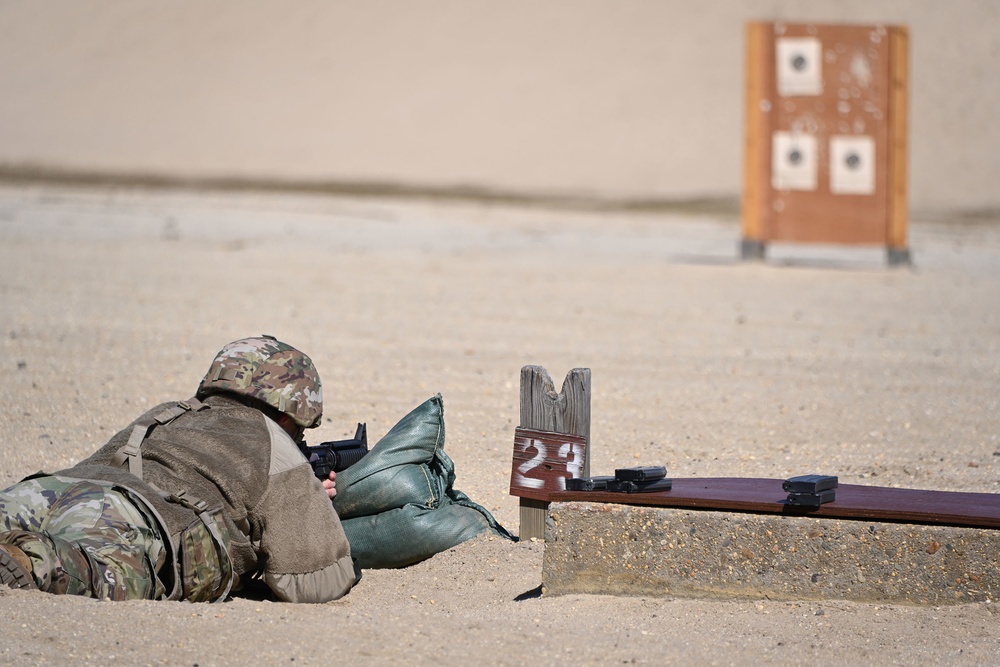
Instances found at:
x=131 y=452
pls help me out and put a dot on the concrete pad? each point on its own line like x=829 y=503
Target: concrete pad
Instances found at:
x=628 y=550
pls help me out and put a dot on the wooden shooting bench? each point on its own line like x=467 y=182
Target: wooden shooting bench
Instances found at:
x=853 y=501
x=737 y=537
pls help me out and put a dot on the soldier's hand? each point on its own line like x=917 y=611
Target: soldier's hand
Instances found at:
x=330 y=484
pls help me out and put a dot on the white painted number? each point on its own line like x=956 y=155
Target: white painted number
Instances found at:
x=574 y=461
x=571 y=452
x=531 y=464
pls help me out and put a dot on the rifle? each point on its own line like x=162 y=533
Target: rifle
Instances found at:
x=336 y=455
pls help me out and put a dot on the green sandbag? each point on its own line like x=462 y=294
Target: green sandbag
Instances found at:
x=398 y=505
x=397 y=470
x=410 y=534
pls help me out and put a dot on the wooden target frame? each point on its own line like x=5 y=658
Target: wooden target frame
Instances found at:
x=826 y=126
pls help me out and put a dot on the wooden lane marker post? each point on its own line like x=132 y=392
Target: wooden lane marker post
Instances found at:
x=552 y=443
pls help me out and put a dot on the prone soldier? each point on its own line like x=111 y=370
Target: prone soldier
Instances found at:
x=192 y=497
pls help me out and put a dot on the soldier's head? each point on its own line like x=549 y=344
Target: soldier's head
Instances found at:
x=274 y=373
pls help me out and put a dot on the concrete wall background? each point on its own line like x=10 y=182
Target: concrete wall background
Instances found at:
x=635 y=99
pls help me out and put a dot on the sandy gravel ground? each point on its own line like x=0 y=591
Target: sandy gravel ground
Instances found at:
x=822 y=359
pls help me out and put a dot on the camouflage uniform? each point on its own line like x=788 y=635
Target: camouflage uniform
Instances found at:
x=227 y=486
x=84 y=538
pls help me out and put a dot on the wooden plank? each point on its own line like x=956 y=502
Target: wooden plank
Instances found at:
x=898 y=137
x=532 y=518
x=855 y=74
x=765 y=496
x=568 y=411
x=756 y=130
x=544 y=410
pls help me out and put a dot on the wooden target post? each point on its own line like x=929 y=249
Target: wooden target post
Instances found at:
x=826 y=130
x=552 y=443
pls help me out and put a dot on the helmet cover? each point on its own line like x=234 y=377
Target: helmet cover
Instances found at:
x=268 y=370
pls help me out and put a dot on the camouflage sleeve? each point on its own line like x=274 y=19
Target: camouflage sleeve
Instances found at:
x=308 y=558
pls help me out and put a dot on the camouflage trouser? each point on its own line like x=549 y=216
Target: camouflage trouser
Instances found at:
x=84 y=538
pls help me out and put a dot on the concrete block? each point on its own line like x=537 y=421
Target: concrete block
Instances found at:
x=645 y=551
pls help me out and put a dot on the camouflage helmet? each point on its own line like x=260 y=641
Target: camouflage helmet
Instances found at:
x=268 y=370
